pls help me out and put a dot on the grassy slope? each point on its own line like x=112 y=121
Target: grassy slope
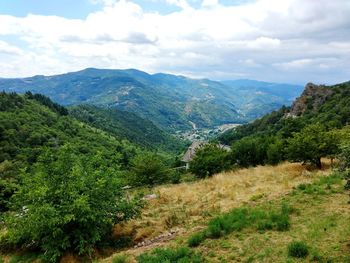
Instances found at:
x=321 y=217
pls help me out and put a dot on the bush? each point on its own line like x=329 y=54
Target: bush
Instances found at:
x=298 y=249
x=182 y=254
x=209 y=160
x=68 y=203
x=148 y=169
x=281 y=221
x=196 y=239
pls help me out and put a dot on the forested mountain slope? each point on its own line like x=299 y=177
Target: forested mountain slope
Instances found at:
x=126 y=125
x=32 y=124
x=329 y=105
x=170 y=102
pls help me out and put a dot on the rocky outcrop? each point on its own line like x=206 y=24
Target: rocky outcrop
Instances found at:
x=312 y=97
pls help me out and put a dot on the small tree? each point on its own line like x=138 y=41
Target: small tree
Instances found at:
x=148 y=169
x=209 y=160
x=68 y=204
x=249 y=151
x=311 y=144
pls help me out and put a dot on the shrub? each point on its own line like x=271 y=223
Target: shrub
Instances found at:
x=298 y=249
x=281 y=221
x=68 y=203
x=182 y=254
x=214 y=229
x=209 y=160
x=196 y=239
x=148 y=169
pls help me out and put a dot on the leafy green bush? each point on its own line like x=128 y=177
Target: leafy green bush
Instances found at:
x=148 y=169
x=182 y=254
x=209 y=160
x=196 y=239
x=298 y=249
x=68 y=203
x=280 y=221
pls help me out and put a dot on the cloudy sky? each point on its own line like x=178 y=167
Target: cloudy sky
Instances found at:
x=291 y=41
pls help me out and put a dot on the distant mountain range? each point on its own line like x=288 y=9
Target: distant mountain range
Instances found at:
x=169 y=101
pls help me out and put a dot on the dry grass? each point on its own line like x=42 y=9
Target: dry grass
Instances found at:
x=189 y=204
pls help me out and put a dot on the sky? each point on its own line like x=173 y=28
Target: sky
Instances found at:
x=289 y=41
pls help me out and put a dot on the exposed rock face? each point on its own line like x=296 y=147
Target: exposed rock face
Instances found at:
x=312 y=97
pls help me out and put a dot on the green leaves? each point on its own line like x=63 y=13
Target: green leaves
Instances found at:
x=209 y=160
x=148 y=169
x=311 y=144
x=68 y=203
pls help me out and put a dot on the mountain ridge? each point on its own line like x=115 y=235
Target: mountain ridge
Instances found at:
x=169 y=101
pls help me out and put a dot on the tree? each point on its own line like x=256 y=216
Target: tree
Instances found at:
x=209 y=160
x=68 y=203
x=311 y=144
x=148 y=168
x=249 y=151
x=275 y=151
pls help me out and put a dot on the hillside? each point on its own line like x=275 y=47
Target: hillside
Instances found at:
x=170 y=102
x=315 y=205
x=32 y=125
x=329 y=105
x=126 y=125
x=259 y=98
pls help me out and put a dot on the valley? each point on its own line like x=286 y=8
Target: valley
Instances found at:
x=205 y=134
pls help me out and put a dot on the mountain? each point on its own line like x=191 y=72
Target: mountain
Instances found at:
x=171 y=102
x=257 y=98
x=327 y=105
x=129 y=126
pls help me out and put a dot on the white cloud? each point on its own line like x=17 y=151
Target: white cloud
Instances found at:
x=179 y=3
x=210 y=3
x=265 y=39
x=7 y=49
x=264 y=43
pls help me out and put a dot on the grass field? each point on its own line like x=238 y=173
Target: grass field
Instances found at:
x=320 y=215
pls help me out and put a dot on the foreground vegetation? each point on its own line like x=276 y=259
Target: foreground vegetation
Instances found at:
x=315 y=126
x=62 y=180
x=314 y=227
